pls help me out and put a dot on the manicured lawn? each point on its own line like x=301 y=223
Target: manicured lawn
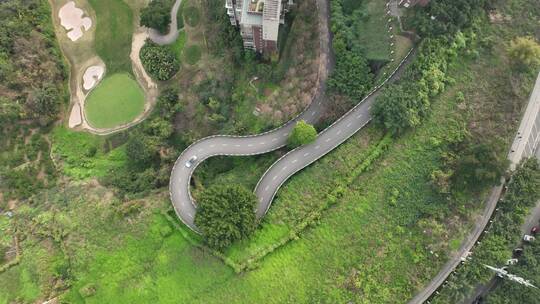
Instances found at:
x=113 y=34
x=192 y=54
x=178 y=46
x=192 y=16
x=117 y=100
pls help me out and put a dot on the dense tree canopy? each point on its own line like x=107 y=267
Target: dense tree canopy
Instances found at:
x=480 y=165
x=159 y=61
x=157 y=15
x=302 y=134
x=446 y=17
x=226 y=213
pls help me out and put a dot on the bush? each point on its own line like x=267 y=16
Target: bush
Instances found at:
x=159 y=61
x=157 y=15
x=226 y=214
x=302 y=134
x=525 y=52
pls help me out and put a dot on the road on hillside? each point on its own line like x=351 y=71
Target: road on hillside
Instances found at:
x=293 y=161
x=172 y=35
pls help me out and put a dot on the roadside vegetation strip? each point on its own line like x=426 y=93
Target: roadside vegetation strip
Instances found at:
x=117 y=100
x=504 y=234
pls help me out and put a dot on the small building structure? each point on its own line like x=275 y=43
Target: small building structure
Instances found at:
x=258 y=21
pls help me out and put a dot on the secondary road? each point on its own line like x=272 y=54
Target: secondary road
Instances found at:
x=171 y=36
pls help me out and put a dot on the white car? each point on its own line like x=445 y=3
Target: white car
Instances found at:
x=528 y=238
x=191 y=161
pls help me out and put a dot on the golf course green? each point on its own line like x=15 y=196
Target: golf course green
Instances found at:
x=117 y=100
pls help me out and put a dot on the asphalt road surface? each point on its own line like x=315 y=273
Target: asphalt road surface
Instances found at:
x=171 y=36
x=290 y=163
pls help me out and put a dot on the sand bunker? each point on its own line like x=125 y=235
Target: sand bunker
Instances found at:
x=92 y=76
x=73 y=21
x=75 y=118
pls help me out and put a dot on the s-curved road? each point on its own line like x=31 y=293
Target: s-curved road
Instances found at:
x=290 y=163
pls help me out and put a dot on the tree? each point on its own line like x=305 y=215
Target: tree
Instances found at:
x=479 y=166
x=44 y=103
x=159 y=61
x=352 y=76
x=157 y=15
x=525 y=51
x=225 y=214
x=302 y=134
x=399 y=108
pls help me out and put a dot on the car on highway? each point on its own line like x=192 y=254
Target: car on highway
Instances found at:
x=517 y=252
x=191 y=161
x=535 y=230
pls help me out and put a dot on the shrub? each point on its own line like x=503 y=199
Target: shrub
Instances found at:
x=302 y=134
x=159 y=61
x=525 y=52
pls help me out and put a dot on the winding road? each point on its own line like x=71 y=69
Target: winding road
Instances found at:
x=292 y=162
x=171 y=36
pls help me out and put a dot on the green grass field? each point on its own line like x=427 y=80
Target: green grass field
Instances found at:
x=192 y=54
x=117 y=100
x=83 y=154
x=178 y=46
x=192 y=16
x=113 y=34
x=371 y=31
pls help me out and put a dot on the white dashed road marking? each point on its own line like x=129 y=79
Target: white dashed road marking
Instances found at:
x=274 y=139
x=328 y=139
x=284 y=168
x=266 y=189
x=349 y=124
x=317 y=147
x=274 y=178
x=211 y=146
x=313 y=113
x=294 y=161
x=338 y=132
x=306 y=154
x=250 y=145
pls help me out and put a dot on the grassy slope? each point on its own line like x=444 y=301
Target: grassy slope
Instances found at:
x=322 y=264
x=113 y=34
x=117 y=100
x=74 y=149
x=372 y=31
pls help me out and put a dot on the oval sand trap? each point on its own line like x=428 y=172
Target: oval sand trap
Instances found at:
x=71 y=18
x=92 y=76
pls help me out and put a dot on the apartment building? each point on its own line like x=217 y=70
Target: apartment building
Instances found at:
x=258 y=21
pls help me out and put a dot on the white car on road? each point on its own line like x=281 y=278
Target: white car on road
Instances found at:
x=191 y=161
